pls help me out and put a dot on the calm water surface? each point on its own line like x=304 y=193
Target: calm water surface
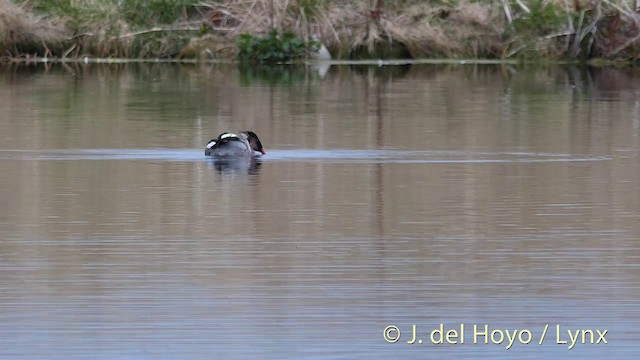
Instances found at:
x=388 y=196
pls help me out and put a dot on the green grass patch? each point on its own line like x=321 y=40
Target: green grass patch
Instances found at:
x=276 y=47
x=543 y=18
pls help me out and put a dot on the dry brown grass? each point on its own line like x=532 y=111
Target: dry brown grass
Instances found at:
x=462 y=29
x=468 y=29
x=22 y=32
x=455 y=30
x=92 y=28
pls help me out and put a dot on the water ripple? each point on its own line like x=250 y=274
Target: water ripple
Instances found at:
x=296 y=155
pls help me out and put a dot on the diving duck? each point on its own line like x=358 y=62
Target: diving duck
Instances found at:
x=245 y=143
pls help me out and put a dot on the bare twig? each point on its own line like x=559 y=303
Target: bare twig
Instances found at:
x=593 y=27
x=47 y=52
x=514 y=51
x=559 y=34
x=248 y=13
x=303 y=20
x=624 y=46
x=220 y=28
x=66 y=53
x=523 y=6
x=633 y=16
x=157 y=29
x=327 y=20
x=578 y=37
x=570 y=25
x=284 y=13
x=627 y=12
x=386 y=31
x=507 y=11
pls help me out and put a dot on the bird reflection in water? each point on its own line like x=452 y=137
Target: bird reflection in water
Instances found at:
x=243 y=165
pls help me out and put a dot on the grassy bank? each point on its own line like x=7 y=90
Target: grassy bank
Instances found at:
x=490 y=29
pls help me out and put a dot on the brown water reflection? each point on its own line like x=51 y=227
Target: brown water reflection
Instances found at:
x=404 y=195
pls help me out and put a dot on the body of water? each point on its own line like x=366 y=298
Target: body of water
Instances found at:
x=389 y=197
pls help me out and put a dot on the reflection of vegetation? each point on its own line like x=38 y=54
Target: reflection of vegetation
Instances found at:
x=384 y=72
x=272 y=74
x=277 y=46
x=382 y=50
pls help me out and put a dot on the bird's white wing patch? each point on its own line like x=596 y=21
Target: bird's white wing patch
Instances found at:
x=211 y=144
x=227 y=135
